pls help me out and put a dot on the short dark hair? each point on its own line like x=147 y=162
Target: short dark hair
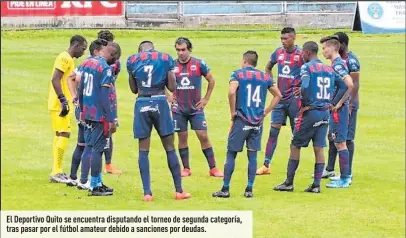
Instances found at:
x=184 y=40
x=96 y=45
x=288 y=30
x=105 y=35
x=251 y=57
x=77 y=39
x=331 y=40
x=311 y=46
x=343 y=38
x=117 y=47
x=144 y=42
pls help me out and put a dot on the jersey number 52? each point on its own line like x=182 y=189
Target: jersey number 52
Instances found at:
x=324 y=86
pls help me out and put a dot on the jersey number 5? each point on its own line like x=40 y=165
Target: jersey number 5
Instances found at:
x=255 y=96
x=88 y=90
x=148 y=69
x=324 y=85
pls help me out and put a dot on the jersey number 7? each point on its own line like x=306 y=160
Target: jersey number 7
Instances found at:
x=255 y=96
x=148 y=69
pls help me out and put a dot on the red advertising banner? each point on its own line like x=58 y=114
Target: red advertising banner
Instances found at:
x=61 y=8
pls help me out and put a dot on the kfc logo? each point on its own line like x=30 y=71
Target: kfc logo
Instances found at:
x=86 y=4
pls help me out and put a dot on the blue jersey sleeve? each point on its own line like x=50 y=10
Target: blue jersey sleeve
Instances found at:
x=129 y=66
x=305 y=81
x=117 y=68
x=171 y=63
x=274 y=57
x=204 y=68
x=234 y=77
x=107 y=77
x=353 y=65
x=341 y=69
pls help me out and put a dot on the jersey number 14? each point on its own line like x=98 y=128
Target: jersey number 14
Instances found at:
x=254 y=97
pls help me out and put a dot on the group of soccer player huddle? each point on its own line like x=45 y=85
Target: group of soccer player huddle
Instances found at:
x=321 y=102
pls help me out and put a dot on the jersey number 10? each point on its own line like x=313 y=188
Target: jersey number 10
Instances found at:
x=253 y=96
x=324 y=86
x=88 y=90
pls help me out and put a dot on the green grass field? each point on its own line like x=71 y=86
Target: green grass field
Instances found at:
x=374 y=206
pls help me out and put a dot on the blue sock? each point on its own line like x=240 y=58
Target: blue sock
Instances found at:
x=271 y=145
x=344 y=168
x=143 y=164
x=85 y=167
x=252 y=168
x=94 y=180
x=332 y=155
x=174 y=166
x=292 y=166
x=209 y=154
x=229 y=168
x=100 y=180
x=351 y=148
x=108 y=152
x=95 y=165
x=76 y=158
x=184 y=156
x=318 y=173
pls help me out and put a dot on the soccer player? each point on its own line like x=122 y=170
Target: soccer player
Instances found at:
x=59 y=100
x=289 y=60
x=318 y=82
x=338 y=126
x=354 y=67
x=95 y=105
x=187 y=104
x=247 y=95
x=108 y=152
x=150 y=71
x=73 y=84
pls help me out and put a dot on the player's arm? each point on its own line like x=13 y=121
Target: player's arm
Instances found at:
x=348 y=82
x=211 y=83
x=271 y=63
x=171 y=84
x=133 y=84
x=62 y=64
x=232 y=97
x=105 y=99
x=354 y=68
x=277 y=96
x=342 y=90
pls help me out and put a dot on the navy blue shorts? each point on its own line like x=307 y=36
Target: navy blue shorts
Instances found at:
x=352 y=126
x=96 y=134
x=311 y=125
x=284 y=110
x=197 y=121
x=152 y=111
x=81 y=133
x=338 y=128
x=241 y=132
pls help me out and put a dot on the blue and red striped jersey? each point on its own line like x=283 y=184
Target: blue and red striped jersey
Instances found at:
x=189 y=84
x=251 y=93
x=340 y=67
x=150 y=70
x=289 y=64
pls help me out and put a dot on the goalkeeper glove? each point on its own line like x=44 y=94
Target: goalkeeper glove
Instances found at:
x=64 y=105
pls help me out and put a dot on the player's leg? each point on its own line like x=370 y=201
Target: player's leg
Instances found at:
x=236 y=140
x=278 y=118
x=77 y=156
x=332 y=149
x=142 y=127
x=341 y=130
x=180 y=126
x=319 y=142
x=302 y=135
x=108 y=154
x=199 y=125
x=351 y=136
x=253 y=146
x=62 y=130
x=163 y=124
x=98 y=142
